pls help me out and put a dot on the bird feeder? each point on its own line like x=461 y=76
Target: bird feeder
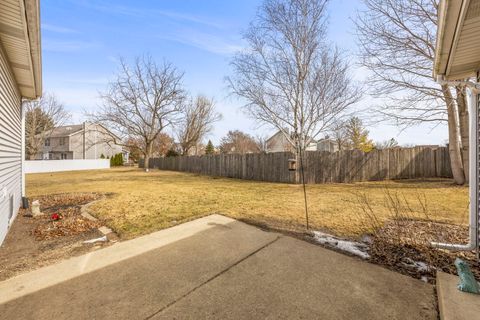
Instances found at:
x=292 y=164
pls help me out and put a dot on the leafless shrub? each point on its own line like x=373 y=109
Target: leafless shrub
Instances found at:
x=403 y=241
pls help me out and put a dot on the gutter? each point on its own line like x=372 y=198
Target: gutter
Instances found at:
x=473 y=167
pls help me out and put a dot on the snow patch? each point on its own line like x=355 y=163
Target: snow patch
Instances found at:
x=417 y=265
x=101 y=239
x=356 y=248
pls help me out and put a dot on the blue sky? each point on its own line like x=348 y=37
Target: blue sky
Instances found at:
x=83 y=39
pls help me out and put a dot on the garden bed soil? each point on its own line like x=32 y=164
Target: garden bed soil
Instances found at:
x=405 y=246
x=34 y=242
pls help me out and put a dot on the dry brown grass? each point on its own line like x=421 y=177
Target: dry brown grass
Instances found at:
x=144 y=202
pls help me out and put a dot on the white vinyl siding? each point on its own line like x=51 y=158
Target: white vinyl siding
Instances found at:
x=10 y=148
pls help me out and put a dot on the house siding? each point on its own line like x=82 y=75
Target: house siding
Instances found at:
x=279 y=143
x=73 y=145
x=95 y=144
x=10 y=147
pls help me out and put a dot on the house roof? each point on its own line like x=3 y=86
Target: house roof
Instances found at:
x=458 y=45
x=20 y=43
x=280 y=133
x=276 y=134
x=65 y=131
x=326 y=140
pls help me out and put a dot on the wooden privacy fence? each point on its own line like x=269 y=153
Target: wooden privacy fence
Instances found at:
x=320 y=167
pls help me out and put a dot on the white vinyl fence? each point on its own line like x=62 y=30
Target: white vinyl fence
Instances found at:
x=39 y=166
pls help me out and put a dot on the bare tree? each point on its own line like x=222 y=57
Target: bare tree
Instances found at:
x=162 y=143
x=289 y=76
x=262 y=143
x=386 y=144
x=197 y=122
x=340 y=134
x=397 y=45
x=41 y=117
x=140 y=103
x=238 y=142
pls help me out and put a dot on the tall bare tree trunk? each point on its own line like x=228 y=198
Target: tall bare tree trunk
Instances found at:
x=464 y=128
x=148 y=154
x=454 y=137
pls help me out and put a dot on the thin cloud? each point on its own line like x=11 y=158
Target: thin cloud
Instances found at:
x=68 y=45
x=88 y=81
x=190 y=18
x=143 y=13
x=205 y=41
x=57 y=29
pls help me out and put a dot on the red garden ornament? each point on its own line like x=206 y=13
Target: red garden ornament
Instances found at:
x=55 y=217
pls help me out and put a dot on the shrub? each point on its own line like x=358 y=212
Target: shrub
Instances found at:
x=172 y=153
x=116 y=160
x=102 y=156
x=119 y=159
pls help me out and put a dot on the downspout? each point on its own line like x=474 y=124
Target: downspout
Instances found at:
x=22 y=152
x=473 y=168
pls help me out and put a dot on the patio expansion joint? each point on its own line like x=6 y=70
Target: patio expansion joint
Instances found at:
x=212 y=278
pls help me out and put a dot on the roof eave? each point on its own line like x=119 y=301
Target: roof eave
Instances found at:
x=32 y=21
x=447 y=11
x=451 y=17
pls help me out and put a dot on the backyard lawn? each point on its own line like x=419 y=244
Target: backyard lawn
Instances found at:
x=139 y=203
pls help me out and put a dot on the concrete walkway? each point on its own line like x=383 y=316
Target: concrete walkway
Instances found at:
x=215 y=268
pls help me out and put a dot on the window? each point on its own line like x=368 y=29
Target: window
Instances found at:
x=64 y=156
x=62 y=141
x=47 y=142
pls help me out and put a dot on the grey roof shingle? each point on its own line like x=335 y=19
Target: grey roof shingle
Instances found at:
x=65 y=131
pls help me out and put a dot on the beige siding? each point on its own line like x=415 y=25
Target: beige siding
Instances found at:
x=95 y=144
x=10 y=147
x=278 y=143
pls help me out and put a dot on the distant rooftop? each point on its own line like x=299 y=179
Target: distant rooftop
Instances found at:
x=65 y=131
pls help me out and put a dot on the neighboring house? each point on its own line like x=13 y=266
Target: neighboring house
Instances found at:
x=327 y=144
x=80 y=141
x=279 y=143
x=20 y=78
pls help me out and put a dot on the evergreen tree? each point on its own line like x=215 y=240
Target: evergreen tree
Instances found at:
x=358 y=135
x=120 y=159
x=209 y=149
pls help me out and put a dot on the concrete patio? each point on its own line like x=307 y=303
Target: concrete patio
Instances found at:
x=215 y=268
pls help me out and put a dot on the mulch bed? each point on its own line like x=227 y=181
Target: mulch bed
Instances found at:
x=68 y=208
x=402 y=243
x=34 y=242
